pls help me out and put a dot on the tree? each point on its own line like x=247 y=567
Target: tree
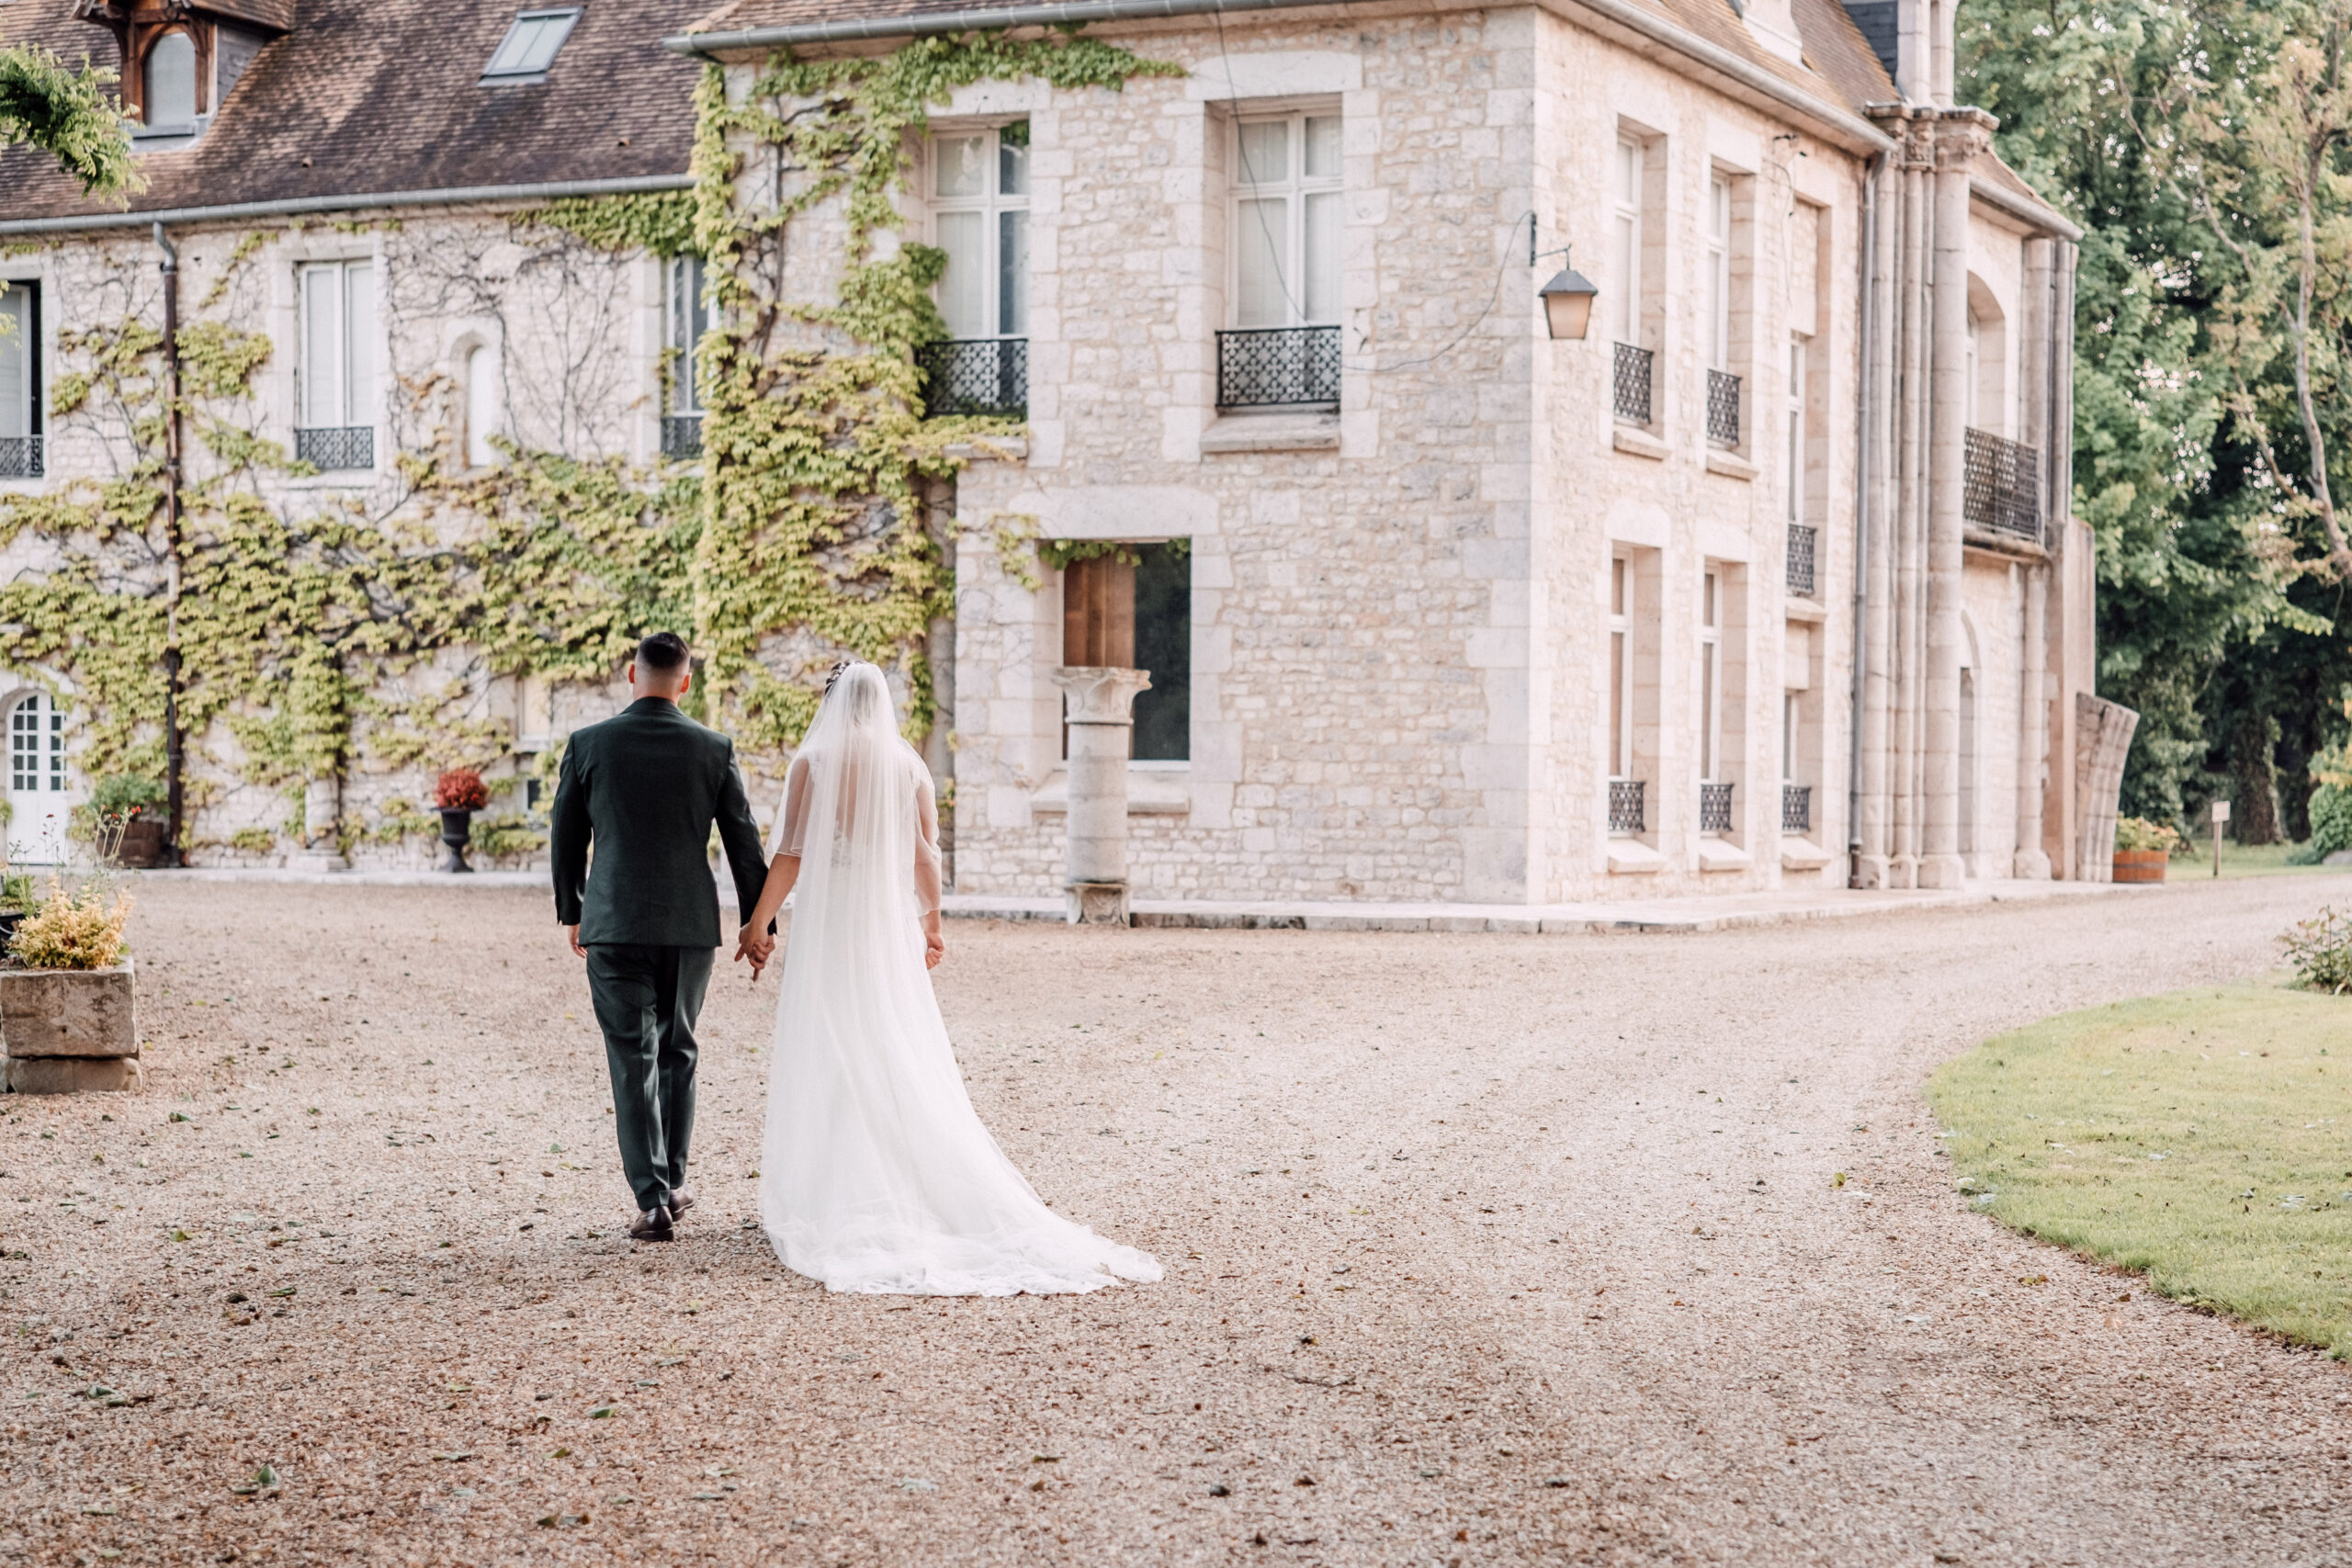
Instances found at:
x=2260 y=156
x=2202 y=144
x=68 y=114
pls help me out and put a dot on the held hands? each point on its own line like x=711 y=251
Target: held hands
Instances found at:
x=755 y=947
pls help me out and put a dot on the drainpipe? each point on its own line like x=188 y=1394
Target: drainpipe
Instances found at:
x=175 y=781
x=1862 y=531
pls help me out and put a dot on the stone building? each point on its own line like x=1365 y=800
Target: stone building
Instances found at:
x=1769 y=579
x=350 y=196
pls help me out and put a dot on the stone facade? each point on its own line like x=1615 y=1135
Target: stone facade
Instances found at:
x=1401 y=676
x=574 y=335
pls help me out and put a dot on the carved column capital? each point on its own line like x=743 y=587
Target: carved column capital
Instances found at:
x=1101 y=693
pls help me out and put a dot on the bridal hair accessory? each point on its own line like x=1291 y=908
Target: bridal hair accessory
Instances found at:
x=835 y=673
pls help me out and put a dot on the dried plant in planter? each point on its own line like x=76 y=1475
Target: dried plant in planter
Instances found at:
x=74 y=929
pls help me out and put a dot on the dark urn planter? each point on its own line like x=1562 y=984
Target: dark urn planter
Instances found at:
x=456 y=831
x=142 y=843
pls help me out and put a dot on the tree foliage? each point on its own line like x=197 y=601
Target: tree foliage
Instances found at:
x=2169 y=131
x=68 y=114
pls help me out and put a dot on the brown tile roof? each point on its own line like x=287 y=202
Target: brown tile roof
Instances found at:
x=1840 y=66
x=380 y=96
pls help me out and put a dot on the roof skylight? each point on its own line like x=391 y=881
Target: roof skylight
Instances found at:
x=530 y=46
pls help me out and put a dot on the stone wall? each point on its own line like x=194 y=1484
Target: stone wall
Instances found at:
x=576 y=333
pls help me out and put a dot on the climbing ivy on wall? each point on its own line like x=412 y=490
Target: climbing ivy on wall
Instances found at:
x=316 y=629
x=813 y=439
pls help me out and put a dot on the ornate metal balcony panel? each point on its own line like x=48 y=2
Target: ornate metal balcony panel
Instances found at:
x=681 y=436
x=2003 y=492
x=976 y=375
x=1796 y=808
x=1626 y=805
x=21 y=457
x=1632 y=389
x=332 y=446
x=1723 y=408
x=1278 y=366
x=1801 y=543
x=1715 y=808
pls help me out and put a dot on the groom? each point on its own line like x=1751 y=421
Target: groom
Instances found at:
x=644 y=787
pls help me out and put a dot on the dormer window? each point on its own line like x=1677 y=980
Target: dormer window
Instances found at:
x=168 y=93
x=530 y=46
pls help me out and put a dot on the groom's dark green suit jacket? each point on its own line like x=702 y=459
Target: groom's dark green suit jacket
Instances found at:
x=645 y=787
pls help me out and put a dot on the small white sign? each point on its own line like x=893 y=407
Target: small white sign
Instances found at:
x=2221 y=811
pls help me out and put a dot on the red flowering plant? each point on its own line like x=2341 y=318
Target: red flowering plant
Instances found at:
x=460 y=789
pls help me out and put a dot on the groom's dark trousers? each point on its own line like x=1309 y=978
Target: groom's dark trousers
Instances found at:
x=644 y=788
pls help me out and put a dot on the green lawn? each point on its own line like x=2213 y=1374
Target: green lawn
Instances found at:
x=2199 y=1137
x=2243 y=860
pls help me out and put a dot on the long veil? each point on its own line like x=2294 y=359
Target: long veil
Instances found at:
x=876 y=1175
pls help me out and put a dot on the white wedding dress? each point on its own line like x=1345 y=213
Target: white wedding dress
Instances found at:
x=876 y=1175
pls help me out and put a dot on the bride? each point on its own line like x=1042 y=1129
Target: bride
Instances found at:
x=876 y=1175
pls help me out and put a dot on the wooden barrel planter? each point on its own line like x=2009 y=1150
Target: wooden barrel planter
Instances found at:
x=2141 y=865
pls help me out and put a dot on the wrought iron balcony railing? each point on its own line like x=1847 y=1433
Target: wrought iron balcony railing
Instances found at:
x=1715 y=808
x=1277 y=367
x=1796 y=808
x=2003 y=491
x=1633 y=388
x=1723 y=408
x=976 y=375
x=21 y=457
x=681 y=436
x=1626 y=805
x=332 y=446
x=1801 y=542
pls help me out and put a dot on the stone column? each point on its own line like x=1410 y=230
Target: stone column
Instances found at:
x=1101 y=725
x=2031 y=862
x=1959 y=138
x=322 y=813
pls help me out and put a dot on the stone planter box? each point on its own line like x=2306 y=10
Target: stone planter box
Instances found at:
x=2141 y=865
x=71 y=1030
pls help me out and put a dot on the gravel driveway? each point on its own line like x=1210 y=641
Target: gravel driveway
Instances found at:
x=1481 y=1249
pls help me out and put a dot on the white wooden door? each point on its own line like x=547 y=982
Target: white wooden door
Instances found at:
x=41 y=805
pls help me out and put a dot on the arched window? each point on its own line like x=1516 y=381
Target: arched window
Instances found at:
x=38 y=799
x=482 y=406
x=169 y=94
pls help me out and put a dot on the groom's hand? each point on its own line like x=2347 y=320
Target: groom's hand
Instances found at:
x=754 y=947
x=571 y=935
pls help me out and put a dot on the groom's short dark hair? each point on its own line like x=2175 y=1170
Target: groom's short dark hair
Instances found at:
x=661 y=653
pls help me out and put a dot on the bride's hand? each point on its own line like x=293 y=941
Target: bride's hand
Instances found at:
x=934 y=947
x=755 y=946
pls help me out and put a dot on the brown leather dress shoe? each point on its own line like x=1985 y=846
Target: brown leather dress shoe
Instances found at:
x=680 y=1202
x=651 y=1225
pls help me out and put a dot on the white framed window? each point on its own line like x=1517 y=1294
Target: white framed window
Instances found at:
x=35 y=746
x=482 y=419
x=1621 y=668
x=1711 y=677
x=1625 y=241
x=1286 y=221
x=20 y=453
x=685 y=316
x=1796 y=430
x=1719 y=273
x=530 y=46
x=337 y=372
x=979 y=216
